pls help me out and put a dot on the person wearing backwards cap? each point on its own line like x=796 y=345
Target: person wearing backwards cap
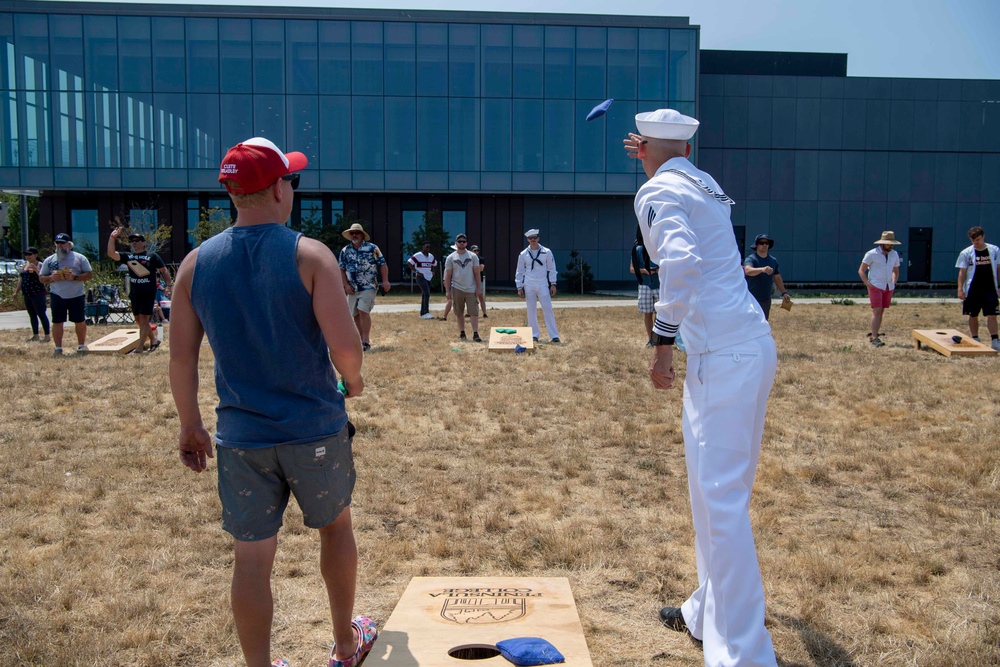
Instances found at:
x=535 y=278
x=684 y=217
x=142 y=280
x=282 y=426
x=65 y=272
x=761 y=269
x=879 y=271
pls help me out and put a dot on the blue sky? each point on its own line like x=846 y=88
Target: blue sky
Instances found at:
x=953 y=39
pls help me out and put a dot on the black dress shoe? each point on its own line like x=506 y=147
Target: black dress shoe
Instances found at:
x=672 y=618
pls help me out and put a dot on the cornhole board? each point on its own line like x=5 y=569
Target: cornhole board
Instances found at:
x=468 y=614
x=120 y=341
x=941 y=341
x=505 y=342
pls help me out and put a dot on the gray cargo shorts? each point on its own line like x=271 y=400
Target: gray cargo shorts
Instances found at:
x=254 y=484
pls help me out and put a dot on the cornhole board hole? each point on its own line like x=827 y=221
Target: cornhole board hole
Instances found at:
x=121 y=341
x=506 y=342
x=942 y=341
x=451 y=621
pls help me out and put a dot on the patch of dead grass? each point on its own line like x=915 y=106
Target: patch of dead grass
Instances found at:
x=875 y=508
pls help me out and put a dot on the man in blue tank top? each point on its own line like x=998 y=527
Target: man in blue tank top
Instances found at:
x=282 y=428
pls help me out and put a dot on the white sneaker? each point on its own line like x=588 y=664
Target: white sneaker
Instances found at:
x=81 y=349
x=995 y=344
x=427 y=316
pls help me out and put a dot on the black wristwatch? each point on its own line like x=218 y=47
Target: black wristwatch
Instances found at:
x=657 y=339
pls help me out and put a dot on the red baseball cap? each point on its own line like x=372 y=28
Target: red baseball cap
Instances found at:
x=256 y=164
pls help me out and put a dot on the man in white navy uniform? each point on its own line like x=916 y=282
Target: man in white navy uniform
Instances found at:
x=731 y=362
x=535 y=278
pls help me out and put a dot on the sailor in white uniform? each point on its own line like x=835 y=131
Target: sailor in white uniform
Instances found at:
x=731 y=362
x=535 y=279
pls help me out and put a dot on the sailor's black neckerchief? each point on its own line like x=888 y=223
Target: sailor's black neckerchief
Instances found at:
x=534 y=259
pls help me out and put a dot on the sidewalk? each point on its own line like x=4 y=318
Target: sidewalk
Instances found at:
x=19 y=319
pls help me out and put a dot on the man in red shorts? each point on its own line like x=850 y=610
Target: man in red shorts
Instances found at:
x=879 y=272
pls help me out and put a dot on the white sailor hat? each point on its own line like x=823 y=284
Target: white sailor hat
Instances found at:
x=531 y=232
x=666 y=124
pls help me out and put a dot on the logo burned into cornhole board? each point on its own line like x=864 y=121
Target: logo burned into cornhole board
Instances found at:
x=502 y=340
x=439 y=618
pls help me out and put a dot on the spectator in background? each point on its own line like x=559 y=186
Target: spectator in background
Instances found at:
x=422 y=264
x=761 y=270
x=34 y=293
x=649 y=290
x=361 y=264
x=879 y=271
x=65 y=272
x=142 y=267
x=482 y=279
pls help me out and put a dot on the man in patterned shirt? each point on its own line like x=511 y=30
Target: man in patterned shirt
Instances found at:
x=362 y=264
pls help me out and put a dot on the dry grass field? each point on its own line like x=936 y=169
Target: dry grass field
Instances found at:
x=876 y=508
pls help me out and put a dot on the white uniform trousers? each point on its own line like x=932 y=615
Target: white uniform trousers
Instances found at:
x=725 y=399
x=536 y=293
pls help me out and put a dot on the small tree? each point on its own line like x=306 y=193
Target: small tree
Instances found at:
x=12 y=204
x=143 y=220
x=432 y=231
x=211 y=221
x=332 y=236
x=578 y=277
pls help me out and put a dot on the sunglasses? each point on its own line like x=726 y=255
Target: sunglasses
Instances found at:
x=532 y=238
x=293 y=179
x=356 y=234
x=461 y=241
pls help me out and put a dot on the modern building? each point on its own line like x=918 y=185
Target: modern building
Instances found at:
x=113 y=109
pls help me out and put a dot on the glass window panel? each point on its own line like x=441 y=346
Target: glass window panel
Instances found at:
x=622 y=58
x=400 y=133
x=654 y=60
x=8 y=98
x=311 y=212
x=235 y=56
x=527 y=142
x=400 y=58
x=104 y=129
x=735 y=113
x=135 y=61
x=432 y=134
x=878 y=125
x=203 y=132
x=239 y=122
x=366 y=57
x=807 y=117
x=783 y=115
x=806 y=175
x=528 y=58
x=32 y=50
x=758 y=123
x=168 y=54
x=558 y=141
x=496 y=135
x=876 y=176
x=782 y=175
x=411 y=223
x=368 y=123
x=68 y=127
x=203 y=55
x=269 y=118
x=302 y=57
x=463 y=134
x=560 y=61
x=66 y=46
x=303 y=126
x=453 y=222
x=193 y=216
x=683 y=65
x=100 y=49
x=831 y=124
x=432 y=59
x=591 y=62
x=335 y=57
x=497 y=60
x=170 y=130
x=589 y=141
x=619 y=121
x=84 y=228
x=463 y=60
x=854 y=125
x=335 y=132
x=268 y=56
x=137 y=130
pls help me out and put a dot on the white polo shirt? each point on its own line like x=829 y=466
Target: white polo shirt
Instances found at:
x=880 y=266
x=684 y=217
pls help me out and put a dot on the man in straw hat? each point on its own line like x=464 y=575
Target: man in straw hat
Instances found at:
x=361 y=264
x=282 y=426
x=879 y=272
x=684 y=218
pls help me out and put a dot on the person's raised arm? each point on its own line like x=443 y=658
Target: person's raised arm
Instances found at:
x=113 y=245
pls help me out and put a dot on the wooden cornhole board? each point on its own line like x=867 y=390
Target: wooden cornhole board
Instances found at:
x=505 y=342
x=941 y=340
x=441 y=614
x=121 y=341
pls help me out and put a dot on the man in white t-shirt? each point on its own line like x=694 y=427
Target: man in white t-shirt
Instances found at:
x=423 y=264
x=461 y=282
x=879 y=272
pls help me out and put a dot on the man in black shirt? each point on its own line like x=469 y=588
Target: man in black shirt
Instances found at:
x=978 y=282
x=142 y=266
x=761 y=271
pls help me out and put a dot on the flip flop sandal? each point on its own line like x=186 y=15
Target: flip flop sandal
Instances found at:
x=367 y=633
x=280 y=663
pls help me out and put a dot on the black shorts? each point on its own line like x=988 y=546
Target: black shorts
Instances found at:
x=142 y=302
x=988 y=302
x=74 y=308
